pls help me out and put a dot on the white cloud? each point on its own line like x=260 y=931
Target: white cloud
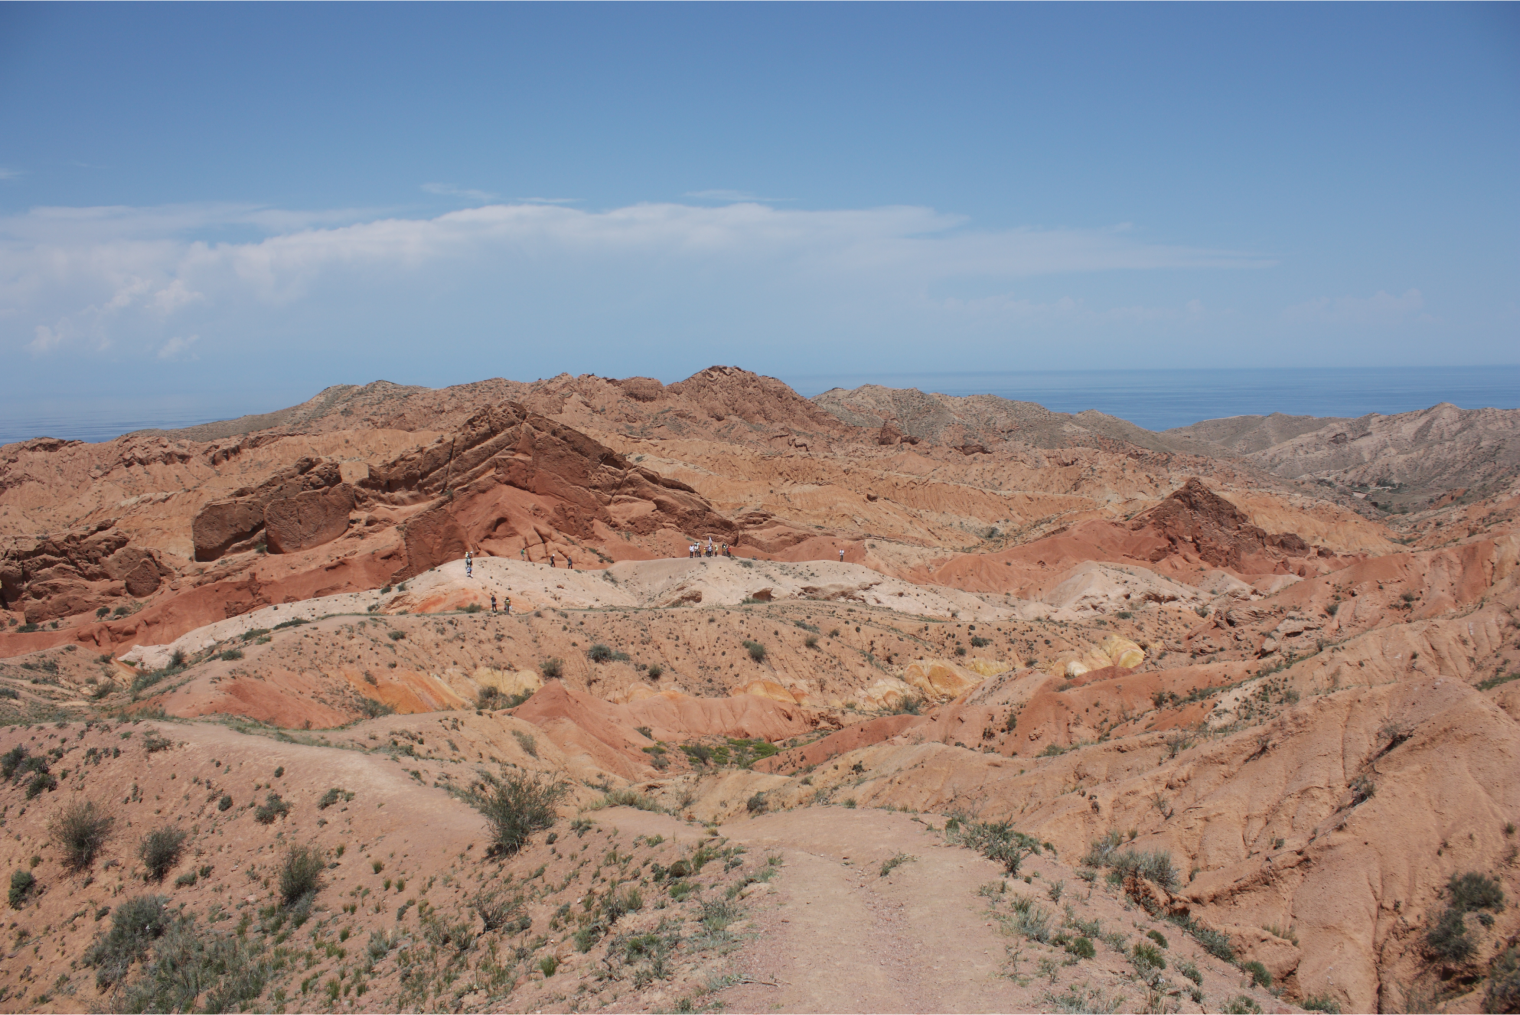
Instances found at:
x=99 y=275
x=178 y=349
x=45 y=341
x=1380 y=309
x=174 y=296
x=9 y=174
x=733 y=196
x=449 y=190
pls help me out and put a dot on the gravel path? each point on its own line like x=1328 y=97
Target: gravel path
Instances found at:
x=840 y=937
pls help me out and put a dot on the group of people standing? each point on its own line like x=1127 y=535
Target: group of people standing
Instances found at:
x=696 y=550
x=469 y=572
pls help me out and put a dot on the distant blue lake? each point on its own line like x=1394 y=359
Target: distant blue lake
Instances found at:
x=1154 y=399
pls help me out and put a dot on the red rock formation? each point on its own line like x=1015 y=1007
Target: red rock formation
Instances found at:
x=1215 y=530
x=75 y=572
x=308 y=519
x=221 y=525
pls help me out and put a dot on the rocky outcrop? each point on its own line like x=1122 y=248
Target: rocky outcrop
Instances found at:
x=308 y=519
x=1197 y=520
x=57 y=575
x=221 y=525
x=890 y=435
x=579 y=486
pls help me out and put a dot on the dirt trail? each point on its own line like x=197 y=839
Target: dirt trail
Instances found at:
x=842 y=938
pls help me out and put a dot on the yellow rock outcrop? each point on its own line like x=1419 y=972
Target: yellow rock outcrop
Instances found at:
x=508 y=682
x=1123 y=652
x=772 y=690
x=940 y=680
x=887 y=693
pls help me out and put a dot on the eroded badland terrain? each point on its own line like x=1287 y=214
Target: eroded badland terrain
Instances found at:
x=989 y=708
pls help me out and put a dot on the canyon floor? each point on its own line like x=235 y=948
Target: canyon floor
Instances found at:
x=971 y=706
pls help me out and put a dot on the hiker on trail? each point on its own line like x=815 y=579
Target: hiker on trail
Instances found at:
x=841 y=556
x=523 y=553
x=551 y=559
x=568 y=562
x=493 y=602
x=508 y=601
x=469 y=564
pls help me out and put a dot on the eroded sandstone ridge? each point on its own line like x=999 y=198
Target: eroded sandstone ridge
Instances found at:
x=1040 y=711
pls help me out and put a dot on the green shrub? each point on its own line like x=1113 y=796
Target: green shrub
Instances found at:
x=1157 y=936
x=717 y=915
x=80 y=830
x=397 y=635
x=1030 y=919
x=272 y=807
x=489 y=698
x=300 y=874
x=756 y=804
x=998 y=841
x=11 y=760
x=1189 y=968
x=547 y=965
x=225 y=803
x=516 y=804
x=1448 y=939
x=891 y=864
x=42 y=782
x=1503 y=993
x=186 y=880
x=336 y=794
x=1473 y=891
x=1329 y=1005
x=756 y=651
x=22 y=883
x=1259 y=974
x=654 y=671
x=373 y=709
x=160 y=850
x=628 y=798
x=196 y=969
x=499 y=911
x=1082 y=948
x=1215 y=943
x=231 y=655
x=473 y=608
x=1146 y=957
x=1074 y=1000
x=135 y=925
x=1153 y=865
x=552 y=669
x=1241 y=1004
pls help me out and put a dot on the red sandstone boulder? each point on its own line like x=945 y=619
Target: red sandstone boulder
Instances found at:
x=308 y=519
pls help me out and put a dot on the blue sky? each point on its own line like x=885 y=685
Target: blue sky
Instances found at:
x=241 y=197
